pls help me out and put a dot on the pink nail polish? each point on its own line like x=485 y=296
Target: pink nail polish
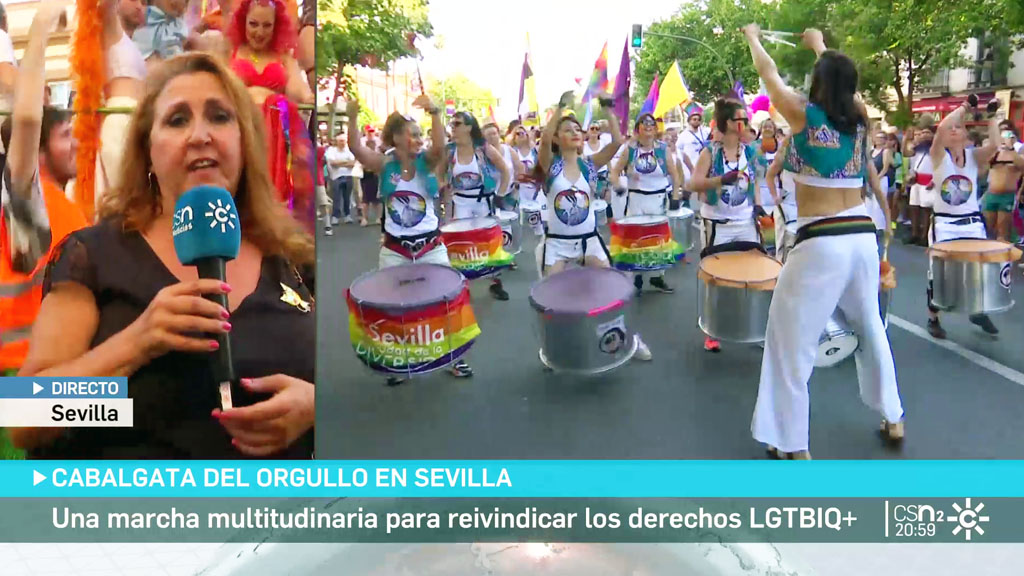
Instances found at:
x=225 y=314
x=226 y=326
x=246 y=382
x=214 y=345
x=225 y=287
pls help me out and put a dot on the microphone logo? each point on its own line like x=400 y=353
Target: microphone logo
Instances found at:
x=221 y=215
x=182 y=220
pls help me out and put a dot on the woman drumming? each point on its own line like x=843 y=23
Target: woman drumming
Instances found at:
x=835 y=262
x=148 y=321
x=470 y=169
x=125 y=86
x=530 y=190
x=408 y=189
x=507 y=199
x=571 y=231
x=957 y=213
x=725 y=178
x=766 y=146
x=1005 y=171
x=592 y=145
x=263 y=35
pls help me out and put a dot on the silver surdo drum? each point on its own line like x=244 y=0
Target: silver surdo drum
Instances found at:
x=734 y=294
x=511 y=231
x=584 y=320
x=837 y=342
x=680 y=221
x=972 y=276
x=532 y=216
x=601 y=212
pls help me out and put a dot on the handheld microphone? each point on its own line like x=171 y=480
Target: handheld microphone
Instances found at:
x=207 y=234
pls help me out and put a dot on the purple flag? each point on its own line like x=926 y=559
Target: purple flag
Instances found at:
x=622 y=83
x=737 y=92
x=652 y=98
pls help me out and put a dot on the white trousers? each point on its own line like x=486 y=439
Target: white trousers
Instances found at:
x=470 y=207
x=389 y=258
x=820 y=275
x=716 y=234
x=645 y=204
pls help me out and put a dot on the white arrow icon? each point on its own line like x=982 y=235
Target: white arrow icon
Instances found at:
x=37 y=478
x=36 y=388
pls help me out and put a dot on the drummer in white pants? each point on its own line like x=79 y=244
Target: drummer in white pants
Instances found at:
x=725 y=179
x=956 y=212
x=650 y=167
x=471 y=166
x=835 y=262
x=408 y=191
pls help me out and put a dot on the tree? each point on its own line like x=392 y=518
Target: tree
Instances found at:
x=468 y=95
x=717 y=24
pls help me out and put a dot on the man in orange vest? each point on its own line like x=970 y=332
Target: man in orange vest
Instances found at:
x=35 y=214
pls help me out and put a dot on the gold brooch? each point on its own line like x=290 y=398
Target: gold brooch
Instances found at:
x=292 y=298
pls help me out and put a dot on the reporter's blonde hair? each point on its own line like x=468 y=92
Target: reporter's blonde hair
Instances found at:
x=265 y=222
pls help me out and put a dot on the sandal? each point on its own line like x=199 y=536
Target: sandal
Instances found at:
x=775 y=454
x=892 y=432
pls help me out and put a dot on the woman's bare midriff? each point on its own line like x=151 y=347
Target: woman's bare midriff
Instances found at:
x=813 y=201
x=125 y=87
x=1003 y=180
x=260 y=94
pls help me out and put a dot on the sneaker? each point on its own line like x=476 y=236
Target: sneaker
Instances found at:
x=658 y=282
x=328 y=231
x=985 y=323
x=638 y=281
x=461 y=370
x=498 y=291
x=712 y=345
x=364 y=223
x=936 y=329
x=643 y=353
x=335 y=221
x=394 y=381
x=348 y=220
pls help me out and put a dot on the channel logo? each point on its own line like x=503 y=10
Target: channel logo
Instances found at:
x=221 y=215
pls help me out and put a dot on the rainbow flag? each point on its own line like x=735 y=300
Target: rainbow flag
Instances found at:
x=652 y=98
x=412 y=342
x=643 y=248
x=599 y=78
x=477 y=253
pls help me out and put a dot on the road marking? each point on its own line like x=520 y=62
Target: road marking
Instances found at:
x=969 y=355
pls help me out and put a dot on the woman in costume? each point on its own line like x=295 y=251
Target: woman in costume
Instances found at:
x=263 y=36
x=835 y=262
x=725 y=177
x=408 y=189
x=531 y=192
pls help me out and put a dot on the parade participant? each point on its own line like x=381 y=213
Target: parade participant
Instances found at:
x=469 y=171
x=724 y=177
x=195 y=126
x=766 y=146
x=592 y=145
x=922 y=195
x=835 y=262
x=36 y=214
x=125 y=85
x=651 y=169
x=530 y=188
x=672 y=141
x=694 y=139
x=507 y=199
x=957 y=213
x=408 y=188
x=263 y=35
x=778 y=177
x=571 y=233
x=1004 y=185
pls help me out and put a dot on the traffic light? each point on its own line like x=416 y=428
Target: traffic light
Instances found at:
x=638 y=36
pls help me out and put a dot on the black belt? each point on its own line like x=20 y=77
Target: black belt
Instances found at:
x=584 y=237
x=648 y=192
x=479 y=197
x=842 y=226
x=412 y=247
x=732 y=247
x=960 y=219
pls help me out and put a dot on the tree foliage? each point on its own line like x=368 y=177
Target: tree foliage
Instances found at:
x=468 y=95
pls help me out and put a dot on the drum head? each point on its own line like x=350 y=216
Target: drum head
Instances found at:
x=467 y=224
x=741 y=268
x=835 y=347
x=581 y=290
x=641 y=220
x=600 y=205
x=506 y=216
x=408 y=286
x=681 y=212
x=974 y=250
x=529 y=206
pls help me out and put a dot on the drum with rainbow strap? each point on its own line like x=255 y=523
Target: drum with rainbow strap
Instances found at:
x=410 y=319
x=643 y=243
x=476 y=246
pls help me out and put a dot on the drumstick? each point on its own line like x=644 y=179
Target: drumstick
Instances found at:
x=780 y=33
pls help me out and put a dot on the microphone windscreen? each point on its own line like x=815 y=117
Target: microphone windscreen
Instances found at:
x=206 y=225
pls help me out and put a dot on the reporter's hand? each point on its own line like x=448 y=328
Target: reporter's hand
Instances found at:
x=270 y=426
x=178 y=310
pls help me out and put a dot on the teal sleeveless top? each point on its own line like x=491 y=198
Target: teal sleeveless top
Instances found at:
x=660 y=155
x=821 y=153
x=718 y=169
x=391 y=173
x=488 y=172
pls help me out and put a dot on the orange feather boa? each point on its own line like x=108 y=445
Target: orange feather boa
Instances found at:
x=88 y=70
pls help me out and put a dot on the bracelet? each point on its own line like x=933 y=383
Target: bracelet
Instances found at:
x=433 y=110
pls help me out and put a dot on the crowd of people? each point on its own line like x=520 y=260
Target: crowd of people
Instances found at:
x=818 y=165
x=90 y=281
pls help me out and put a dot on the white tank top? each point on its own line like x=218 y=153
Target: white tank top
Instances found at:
x=466 y=178
x=588 y=151
x=569 y=210
x=957 y=187
x=125 y=61
x=509 y=165
x=728 y=195
x=528 y=191
x=410 y=210
x=645 y=173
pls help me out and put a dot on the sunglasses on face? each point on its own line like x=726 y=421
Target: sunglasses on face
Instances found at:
x=740 y=119
x=648 y=122
x=457 y=123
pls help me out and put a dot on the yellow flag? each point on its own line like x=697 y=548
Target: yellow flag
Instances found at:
x=673 y=92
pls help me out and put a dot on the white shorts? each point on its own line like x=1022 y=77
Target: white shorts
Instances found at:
x=558 y=250
x=921 y=197
x=716 y=234
x=943 y=229
x=645 y=204
x=389 y=258
x=470 y=207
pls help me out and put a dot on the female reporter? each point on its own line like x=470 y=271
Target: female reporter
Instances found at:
x=118 y=302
